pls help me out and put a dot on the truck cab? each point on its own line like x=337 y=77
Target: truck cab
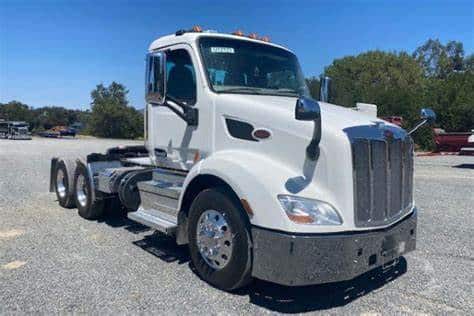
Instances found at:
x=14 y=130
x=256 y=177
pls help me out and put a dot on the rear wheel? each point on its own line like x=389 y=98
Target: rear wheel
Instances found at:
x=219 y=240
x=63 y=184
x=89 y=206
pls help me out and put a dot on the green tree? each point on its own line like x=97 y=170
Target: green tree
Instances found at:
x=438 y=60
x=111 y=115
x=392 y=81
x=15 y=111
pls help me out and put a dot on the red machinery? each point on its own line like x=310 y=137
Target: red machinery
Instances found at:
x=452 y=142
x=397 y=120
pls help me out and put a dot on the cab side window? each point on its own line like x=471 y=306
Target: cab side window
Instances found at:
x=181 y=77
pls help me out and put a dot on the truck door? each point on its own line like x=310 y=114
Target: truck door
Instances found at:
x=171 y=141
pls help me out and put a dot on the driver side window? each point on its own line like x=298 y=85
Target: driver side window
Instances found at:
x=181 y=76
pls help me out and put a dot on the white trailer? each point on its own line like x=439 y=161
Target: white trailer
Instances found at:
x=255 y=176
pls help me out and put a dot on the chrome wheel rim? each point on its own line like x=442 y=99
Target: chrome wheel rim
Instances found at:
x=60 y=183
x=214 y=239
x=81 y=190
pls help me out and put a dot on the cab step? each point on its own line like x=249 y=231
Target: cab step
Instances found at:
x=159 y=201
x=160 y=221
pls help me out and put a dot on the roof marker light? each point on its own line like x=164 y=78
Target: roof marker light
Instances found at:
x=197 y=28
x=238 y=33
x=265 y=39
x=253 y=35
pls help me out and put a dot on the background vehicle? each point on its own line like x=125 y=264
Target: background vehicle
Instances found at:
x=58 y=131
x=453 y=141
x=14 y=130
x=257 y=178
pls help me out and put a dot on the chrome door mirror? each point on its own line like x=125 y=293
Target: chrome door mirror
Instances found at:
x=155 y=78
x=307 y=110
x=325 y=88
x=428 y=114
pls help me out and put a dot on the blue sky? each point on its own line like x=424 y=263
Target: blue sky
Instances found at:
x=55 y=52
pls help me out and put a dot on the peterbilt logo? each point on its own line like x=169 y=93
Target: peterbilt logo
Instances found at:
x=386 y=131
x=388 y=134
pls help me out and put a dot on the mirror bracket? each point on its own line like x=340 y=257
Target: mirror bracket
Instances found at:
x=428 y=116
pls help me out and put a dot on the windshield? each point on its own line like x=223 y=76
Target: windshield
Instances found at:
x=237 y=66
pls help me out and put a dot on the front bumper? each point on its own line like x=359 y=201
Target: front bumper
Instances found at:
x=304 y=259
x=21 y=137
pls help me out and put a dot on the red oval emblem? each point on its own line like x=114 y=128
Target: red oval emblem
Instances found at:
x=261 y=133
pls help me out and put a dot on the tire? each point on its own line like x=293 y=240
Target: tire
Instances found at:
x=63 y=178
x=230 y=272
x=89 y=206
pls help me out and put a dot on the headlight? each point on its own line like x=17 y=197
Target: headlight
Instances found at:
x=308 y=211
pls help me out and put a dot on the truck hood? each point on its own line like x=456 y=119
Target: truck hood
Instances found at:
x=333 y=116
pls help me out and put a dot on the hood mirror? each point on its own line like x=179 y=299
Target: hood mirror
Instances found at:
x=428 y=116
x=307 y=110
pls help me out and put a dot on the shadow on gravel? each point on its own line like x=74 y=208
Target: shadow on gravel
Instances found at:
x=465 y=166
x=115 y=217
x=164 y=247
x=157 y=244
x=285 y=299
x=274 y=297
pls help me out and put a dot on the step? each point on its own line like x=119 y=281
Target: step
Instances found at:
x=162 y=188
x=155 y=219
x=171 y=176
x=162 y=192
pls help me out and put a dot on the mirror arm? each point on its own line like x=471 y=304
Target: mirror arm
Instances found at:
x=189 y=114
x=417 y=126
x=312 y=150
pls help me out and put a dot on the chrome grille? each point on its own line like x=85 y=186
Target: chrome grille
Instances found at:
x=383 y=179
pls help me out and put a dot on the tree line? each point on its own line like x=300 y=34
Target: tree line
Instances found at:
x=435 y=75
x=110 y=115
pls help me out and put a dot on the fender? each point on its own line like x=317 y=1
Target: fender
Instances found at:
x=253 y=177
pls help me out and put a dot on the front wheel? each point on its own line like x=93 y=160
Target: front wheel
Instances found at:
x=88 y=205
x=219 y=240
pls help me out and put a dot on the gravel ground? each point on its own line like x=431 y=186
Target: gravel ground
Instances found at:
x=53 y=261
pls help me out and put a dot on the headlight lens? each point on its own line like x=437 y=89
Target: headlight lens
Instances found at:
x=308 y=211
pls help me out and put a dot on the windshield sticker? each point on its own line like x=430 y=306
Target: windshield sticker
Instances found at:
x=222 y=50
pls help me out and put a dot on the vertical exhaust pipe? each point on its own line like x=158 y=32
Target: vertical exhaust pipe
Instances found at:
x=325 y=87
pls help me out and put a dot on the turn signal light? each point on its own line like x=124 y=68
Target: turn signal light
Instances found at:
x=238 y=33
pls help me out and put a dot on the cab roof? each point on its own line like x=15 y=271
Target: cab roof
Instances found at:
x=191 y=38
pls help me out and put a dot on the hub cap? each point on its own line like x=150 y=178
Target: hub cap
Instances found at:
x=214 y=239
x=81 y=190
x=60 y=186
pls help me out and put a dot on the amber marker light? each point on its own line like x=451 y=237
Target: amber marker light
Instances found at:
x=238 y=33
x=197 y=28
x=253 y=35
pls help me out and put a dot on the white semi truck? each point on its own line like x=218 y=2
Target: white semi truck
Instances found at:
x=14 y=130
x=255 y=176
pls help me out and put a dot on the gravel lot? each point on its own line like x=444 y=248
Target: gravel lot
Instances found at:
x=53 y=261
